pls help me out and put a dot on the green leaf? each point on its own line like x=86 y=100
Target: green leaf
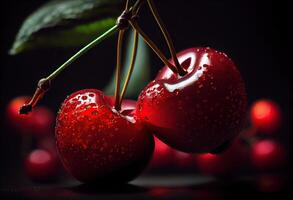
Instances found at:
x=66 y=23
x=141 y=73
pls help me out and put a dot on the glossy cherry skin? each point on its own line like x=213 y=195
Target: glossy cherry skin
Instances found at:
x=39 y=123
x=268 y=155
x=265 y=116
x=41 y=165
x=199 y=111
x=98 y=144
x=227 y=163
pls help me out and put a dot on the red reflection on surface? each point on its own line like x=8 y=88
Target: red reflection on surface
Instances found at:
x=268 y=154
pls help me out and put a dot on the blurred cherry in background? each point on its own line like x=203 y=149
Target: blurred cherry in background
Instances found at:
x=227 y=163
x=41 y=165
x=265 y=116
x=38 y=123
x=268 y=154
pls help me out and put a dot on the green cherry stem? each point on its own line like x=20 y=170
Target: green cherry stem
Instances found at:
x=44 y=84
x=118 y=70
x=83 y=51
x=153 y=46
x=167 y=36
x=131 y=65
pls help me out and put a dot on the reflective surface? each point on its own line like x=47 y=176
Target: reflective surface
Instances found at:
x=159 y=187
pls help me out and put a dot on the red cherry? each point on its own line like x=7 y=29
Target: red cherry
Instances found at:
x=21 y=123
x=98 y=144
x=48 y=144
x=226 y=163
x=41 y=165
x=162 y=156
x=43 y=121
x=199 y=111
x=265 y=116
x=39 y=122
x=268 y=155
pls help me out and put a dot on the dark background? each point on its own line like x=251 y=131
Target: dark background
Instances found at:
x=253 y=33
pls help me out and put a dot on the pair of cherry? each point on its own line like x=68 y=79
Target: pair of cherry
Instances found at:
x=197 y=112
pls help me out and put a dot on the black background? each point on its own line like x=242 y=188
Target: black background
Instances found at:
x=253 y=33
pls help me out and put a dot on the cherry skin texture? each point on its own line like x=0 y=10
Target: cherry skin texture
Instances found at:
x=265 y=116
x=96 y=143
x=268 y=155
x=41 y=165
x=199 y=111
x=227 y=163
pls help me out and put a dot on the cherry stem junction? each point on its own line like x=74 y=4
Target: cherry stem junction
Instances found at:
x=118 y=70
x=153 y=46
x=167 y=36
x=128 y=16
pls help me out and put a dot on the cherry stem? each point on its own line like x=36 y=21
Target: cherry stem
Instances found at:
x=131 y=66
x=167 y=36
x=153 y=46
x=118 y=70
x=83 y=51
x=137 y=5
x=44 y=84
x=127 y=5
